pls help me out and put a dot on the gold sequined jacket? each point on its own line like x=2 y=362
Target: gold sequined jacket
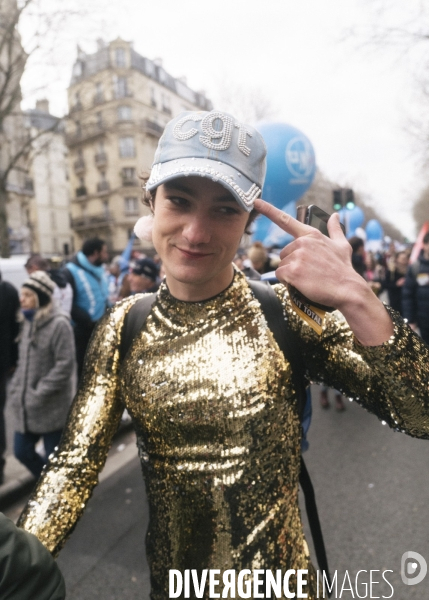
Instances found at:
x=218 y=433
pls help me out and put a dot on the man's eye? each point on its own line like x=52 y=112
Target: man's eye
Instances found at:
x=178 y=201
x=228 y=210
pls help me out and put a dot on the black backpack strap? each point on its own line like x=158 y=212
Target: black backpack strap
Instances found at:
x=134 y=321
x=287 y=340
x=290 y=344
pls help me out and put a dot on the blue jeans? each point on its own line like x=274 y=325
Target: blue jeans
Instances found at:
x=25 y=452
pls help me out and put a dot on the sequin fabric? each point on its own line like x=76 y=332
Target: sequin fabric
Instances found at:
x=218 y=433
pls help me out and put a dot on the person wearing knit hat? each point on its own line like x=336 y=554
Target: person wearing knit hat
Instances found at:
x=41 y=389
x=42 y=285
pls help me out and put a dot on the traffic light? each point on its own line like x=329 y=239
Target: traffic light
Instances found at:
x=337 y=203
x=343 y=197
x=349 y=199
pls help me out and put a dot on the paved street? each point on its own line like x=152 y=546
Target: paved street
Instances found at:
x=373 y=497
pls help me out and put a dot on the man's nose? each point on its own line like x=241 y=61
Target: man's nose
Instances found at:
x=196 y=230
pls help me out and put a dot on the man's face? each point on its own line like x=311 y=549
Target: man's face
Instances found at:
x=139 y=283
x=197 y=228
x=100 y=257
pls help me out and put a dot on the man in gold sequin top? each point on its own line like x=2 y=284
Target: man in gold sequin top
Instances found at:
x=208 y=389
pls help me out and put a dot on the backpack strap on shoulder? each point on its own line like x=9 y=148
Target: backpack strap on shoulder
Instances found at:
x=290 y=344
x=134 y=321
x=287 y=340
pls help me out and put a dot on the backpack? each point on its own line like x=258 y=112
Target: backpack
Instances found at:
x=288 y=341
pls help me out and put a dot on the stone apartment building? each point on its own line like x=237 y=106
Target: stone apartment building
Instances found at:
x=119 y=103
x=50 y=208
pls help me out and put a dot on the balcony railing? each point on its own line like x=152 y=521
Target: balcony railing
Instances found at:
x=130 y=181
x=103 y=187
x=100 y=159
x=86 y=132
x=79 y=165
x=152 y=128
x=96 y=221
x=81 y=191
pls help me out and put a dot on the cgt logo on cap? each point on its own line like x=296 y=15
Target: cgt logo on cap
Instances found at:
x=409 y=568
x=216 y=145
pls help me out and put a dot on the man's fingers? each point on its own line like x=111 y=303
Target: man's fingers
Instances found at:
x=334 y=227
x=283 y=220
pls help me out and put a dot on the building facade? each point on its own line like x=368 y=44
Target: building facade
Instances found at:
x=16 y=185
x=50 y=209
x=119 y=103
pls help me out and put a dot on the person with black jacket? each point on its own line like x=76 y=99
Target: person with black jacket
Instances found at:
x=394 y=280
x=415 y=293
x=9 y=330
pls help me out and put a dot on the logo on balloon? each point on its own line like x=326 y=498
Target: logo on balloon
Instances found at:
x=291 y=166
x=300 y=159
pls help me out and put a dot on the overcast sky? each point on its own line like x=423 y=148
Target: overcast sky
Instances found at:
x=353 y=101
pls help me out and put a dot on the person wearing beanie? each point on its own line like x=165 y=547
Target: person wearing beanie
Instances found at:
x=211 y=394
x=143 y=276
x=41 y=389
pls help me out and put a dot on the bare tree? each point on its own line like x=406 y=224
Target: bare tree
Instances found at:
x=44 y=23
x=421 y=208
x=248 y=103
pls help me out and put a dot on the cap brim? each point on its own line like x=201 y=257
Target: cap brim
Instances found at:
x=243 y=190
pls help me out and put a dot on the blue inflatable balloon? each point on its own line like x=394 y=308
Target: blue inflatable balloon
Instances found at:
x=291 y=163
x=276 y=236
x=374 y=231
x=291 y=166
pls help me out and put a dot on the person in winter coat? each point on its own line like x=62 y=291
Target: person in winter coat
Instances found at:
x=63 y=292
x=89 y=281
x=9 y=329
x=415 y=293
x=27 y=569
x=395 y=279
x=41 y=390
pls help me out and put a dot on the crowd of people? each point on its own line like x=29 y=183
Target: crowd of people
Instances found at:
x=51 y=321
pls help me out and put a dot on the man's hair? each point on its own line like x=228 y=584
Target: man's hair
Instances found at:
x=92 y=245
x=37 y=261
x=426 y=238
x=356 y=243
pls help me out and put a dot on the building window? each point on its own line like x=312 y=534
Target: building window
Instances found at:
x=152 y=96
x=126 y=147
x=131 y=206
x=129 y=173
x=124 y=113
x=120 y=85
x=166 y=107
x=120 y=57
x=99 y=95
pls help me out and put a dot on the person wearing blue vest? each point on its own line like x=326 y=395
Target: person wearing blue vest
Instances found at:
x=85 y=273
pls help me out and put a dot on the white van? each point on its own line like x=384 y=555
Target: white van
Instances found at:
x=12 y=270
